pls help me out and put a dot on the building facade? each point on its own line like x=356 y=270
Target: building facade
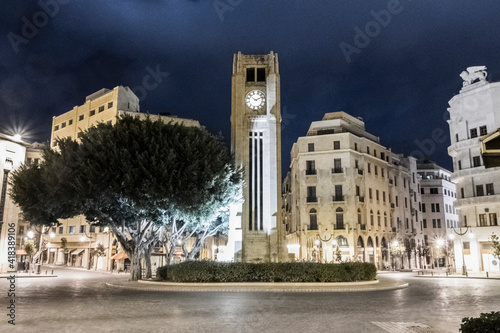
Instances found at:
x=348 y=197
x=13 y=153
x=475 y=118
x=255 y=230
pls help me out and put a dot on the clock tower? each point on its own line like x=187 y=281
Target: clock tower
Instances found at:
x=256 y=232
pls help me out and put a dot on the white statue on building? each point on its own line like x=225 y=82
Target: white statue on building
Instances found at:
x=474 y=73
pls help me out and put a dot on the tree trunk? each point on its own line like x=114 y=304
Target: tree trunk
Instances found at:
x=196 y=249
x=147 y=258
x=135 y=265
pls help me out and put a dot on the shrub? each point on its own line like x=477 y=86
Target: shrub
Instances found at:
x=486 y=323
x=210 y=271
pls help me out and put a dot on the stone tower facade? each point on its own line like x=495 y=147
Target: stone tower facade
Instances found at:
x=256 y=232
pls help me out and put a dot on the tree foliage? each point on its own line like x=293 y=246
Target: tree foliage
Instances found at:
x=135 y=176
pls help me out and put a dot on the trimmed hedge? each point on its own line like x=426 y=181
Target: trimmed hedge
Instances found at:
x=210 y=271
x=486 y=323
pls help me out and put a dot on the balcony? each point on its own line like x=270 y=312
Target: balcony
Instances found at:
x=414 y=231
x=337 y=170
x=312 y=199
x=340 y=226
x=360 y=172
x=361 y=199
x=391 y=181
x=338 y=198
x=393 y=229
x=311 y=172
x=392 y=205
x=362 y=227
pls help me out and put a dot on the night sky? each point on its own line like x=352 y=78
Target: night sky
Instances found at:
x=399 y=79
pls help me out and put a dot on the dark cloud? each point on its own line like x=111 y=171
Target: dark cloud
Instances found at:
x=399 y=83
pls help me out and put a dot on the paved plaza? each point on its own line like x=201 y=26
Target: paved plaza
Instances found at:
x=82 y=301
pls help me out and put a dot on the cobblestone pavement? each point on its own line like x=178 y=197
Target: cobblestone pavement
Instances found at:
x=80 y=301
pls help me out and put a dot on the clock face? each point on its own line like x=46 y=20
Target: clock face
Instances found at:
x=255 y=99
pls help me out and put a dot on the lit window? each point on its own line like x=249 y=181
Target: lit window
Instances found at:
x=72 y=229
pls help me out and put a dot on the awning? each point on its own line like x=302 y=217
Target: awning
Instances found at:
x=119 y=256
x=77 y=251
x=20 y=252
x=178 y=253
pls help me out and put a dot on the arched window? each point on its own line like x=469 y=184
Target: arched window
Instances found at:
x=385 y=219
x=369 y=242
x=342 y=241
x=378 y=218
x=313 y=219
x=383 y=243
x=339 y=217
x=371 y=217
x=360 y=242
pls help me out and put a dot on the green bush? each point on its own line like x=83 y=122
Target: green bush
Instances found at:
x=210 y=271
x=486 y=323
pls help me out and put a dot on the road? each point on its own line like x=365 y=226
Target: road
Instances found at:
x=80 y=301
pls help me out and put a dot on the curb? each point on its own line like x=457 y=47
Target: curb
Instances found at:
x=27 y=276
x=290 y=288
x=457 y=277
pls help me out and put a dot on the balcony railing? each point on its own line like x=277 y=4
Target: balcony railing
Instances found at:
x=360 y=172
x=311 y=172
x=391 y=181
x=392 y=205
x=339 y=226
x=338 y=198
x=362 y=226
x=312 y=199
x=361 y=199
x=337 y=170
x=393 y=229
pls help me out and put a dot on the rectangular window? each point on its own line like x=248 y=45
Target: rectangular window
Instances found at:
x=92 y=112
x=70 y=122
x=375 y=152
x=433 y=208
x=310 y=167
x=110 y=105
x=434 y=190
x=395 y=181
x=462 y=192
x=367 y=150
x=404 y=182
x=459 y=165
x=355 y=146
x=356 y=164
x=251 y=74
x=439 y=223
x=397 y=201
x=422 y=191
x=72 y=229
x=467 y=246
x=473 y=133
x=482 y=220
x=92 y=228
x=479 y=190
x=370 y=193
x=101 y=108
x=310 y=147
x=383 y=196
x=56 y=128
x=83 y=229
x=338 y=193
x=376 y=195
x=357 y=191
x=63 y=125
x=382 y=172
x=413 y=177
x=382 y=156
x=476 y=161
x=61 y=230
x=493 y=219
x=406 y=202
x=337 y=165
x=80 y=118
x=489 y=189
x=369 y=168
x=437 y=208
x=261 y=75
x=376 y=170
x=311 y=194
x=425 y=223
x=434 y=223
x=336 y=145
x=482 y=130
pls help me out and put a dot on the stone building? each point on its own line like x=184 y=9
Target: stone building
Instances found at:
x=13 y=153
x=347 y=196
x=80 y=237
x=474 y=121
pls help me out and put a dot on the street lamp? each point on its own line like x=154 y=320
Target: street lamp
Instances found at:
x=462 y=233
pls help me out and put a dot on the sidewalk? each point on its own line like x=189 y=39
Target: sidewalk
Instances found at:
x=438 y=273
x=382 y=284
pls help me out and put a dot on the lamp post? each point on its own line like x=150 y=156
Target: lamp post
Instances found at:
x=462 y=233
x=90 y=243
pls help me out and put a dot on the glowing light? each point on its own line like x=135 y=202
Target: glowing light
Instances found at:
x=52 y=235
x=17 y=137
x=293 y=247
x=395 y=243
x=31 y=234
x=439 y=242
x=451 y=236
x=471 y=235
x=316 y=242
x=82 y=238
x=106 y=229
x=334 y=242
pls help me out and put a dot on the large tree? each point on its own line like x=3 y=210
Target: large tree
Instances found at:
x=135 y=176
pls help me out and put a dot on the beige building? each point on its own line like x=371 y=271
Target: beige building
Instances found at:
x=348 y=196
x=474 y=121
x=102 y=106
x=256 y=232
